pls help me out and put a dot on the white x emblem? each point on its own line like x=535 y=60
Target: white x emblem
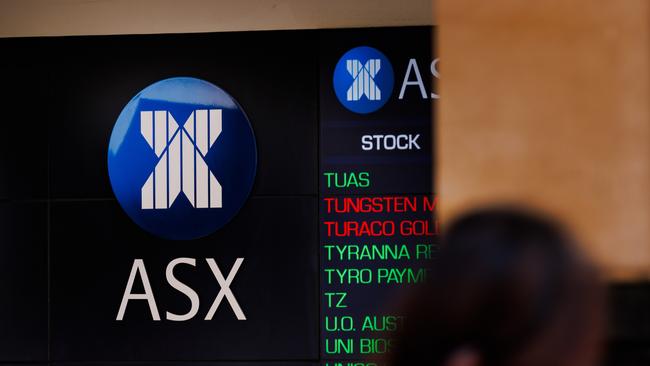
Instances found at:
x=181 y=165
x=364 y=83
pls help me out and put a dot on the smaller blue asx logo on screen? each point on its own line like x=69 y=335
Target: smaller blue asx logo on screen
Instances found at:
x=363 y=80
x=182 y=158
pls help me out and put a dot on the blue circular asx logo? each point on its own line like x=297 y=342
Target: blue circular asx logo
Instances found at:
x=182 y=158
x=363 y=79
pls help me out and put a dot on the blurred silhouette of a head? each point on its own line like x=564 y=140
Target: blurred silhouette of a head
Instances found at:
x=508 y=287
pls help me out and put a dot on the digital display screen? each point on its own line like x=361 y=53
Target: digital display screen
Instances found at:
x=246 y=198
x=376 y=196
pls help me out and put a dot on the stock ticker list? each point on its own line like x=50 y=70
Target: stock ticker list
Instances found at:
x=376 y=245
x=373 y=249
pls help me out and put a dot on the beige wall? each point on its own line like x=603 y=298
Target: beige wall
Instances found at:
x=75 y=17
x=546 y=103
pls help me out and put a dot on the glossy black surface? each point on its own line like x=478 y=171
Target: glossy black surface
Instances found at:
x=23 y=281
x=60 y=98
x=272 y=75
x=27 y=111
x=176 y=363
x=93 y=248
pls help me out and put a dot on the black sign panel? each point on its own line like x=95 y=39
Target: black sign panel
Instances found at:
x=23 y=281
x=84 y=283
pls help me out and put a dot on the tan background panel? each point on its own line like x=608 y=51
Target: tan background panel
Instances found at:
x=75 y=17
x=545 y=103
